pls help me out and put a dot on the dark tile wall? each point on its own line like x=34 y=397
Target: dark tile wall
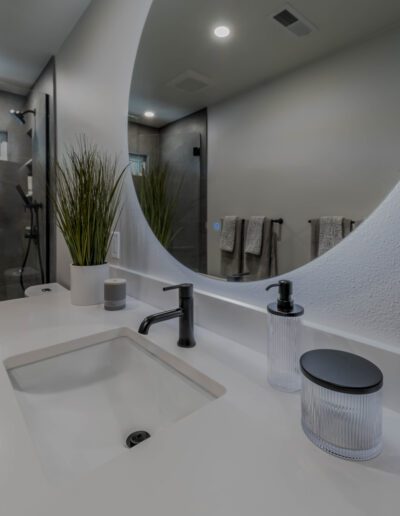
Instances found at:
x=13 y=218
x=144 y=140
x=19 y=145
x=177 y=142
x=21 y=148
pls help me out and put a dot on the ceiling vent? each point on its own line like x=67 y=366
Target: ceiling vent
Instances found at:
x=293 y=21
x=190 y=82
x=133 y=118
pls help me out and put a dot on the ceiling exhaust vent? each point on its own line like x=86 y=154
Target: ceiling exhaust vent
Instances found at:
x=190 y=82
x=286 y=18
x=293 y=21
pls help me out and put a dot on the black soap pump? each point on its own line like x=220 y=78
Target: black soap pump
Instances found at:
x=284 y=339
x=284 y=305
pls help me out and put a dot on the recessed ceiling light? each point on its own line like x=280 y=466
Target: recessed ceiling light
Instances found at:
x=222 y=31
x=149 y=114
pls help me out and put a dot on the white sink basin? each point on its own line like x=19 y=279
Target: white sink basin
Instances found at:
x=83 y=398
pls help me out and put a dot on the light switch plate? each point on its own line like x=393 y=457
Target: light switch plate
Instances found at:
x=115 y=245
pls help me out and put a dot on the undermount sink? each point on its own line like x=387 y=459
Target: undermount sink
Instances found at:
x=81 y=400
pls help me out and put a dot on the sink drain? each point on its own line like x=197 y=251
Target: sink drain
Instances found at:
x=137 y=438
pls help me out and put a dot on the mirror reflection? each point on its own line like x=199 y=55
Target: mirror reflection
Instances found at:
x=261 y=134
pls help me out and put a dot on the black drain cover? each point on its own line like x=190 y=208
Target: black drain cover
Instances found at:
x=137 y=438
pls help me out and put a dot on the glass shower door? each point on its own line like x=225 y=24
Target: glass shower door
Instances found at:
x=181 y=153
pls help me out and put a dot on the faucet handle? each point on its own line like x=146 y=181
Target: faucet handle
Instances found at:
x=185 y=290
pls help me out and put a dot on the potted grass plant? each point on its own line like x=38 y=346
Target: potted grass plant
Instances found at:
x=158 y=197
x=87 y=207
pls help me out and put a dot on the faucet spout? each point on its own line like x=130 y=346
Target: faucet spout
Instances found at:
x=184 y=313
x=157 y=318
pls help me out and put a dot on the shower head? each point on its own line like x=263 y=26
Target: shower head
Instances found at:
x=20 y=115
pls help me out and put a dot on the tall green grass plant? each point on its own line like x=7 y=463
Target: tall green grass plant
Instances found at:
x=87 y=202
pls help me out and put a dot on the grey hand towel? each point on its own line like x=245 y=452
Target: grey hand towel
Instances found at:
x=266 y=264
x=254 y=235
x=232 y=262
x=331 y=231
x=228 y=233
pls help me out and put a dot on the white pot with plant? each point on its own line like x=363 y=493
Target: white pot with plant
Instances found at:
x=87 y=207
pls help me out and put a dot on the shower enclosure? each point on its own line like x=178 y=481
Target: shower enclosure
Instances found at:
x=24 y=181
x=180 y=147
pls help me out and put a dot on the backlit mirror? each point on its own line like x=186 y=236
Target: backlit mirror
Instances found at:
x=261 y=134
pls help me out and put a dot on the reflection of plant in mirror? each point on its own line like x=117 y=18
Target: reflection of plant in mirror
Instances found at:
x=87 y=202
x=158 y=198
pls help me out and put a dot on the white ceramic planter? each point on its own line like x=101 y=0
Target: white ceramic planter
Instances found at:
x=87 y=284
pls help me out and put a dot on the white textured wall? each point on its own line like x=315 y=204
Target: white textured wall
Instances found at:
x=355 y=287
x=321 y=140
x=94 y=69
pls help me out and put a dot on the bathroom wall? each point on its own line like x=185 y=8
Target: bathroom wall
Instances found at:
x=13 y=219
x=177 y=142
x=144 y=140
x=19 y=148
x=355 y=287
x=322 y=140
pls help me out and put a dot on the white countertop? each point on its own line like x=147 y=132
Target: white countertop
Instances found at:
x=243 y=454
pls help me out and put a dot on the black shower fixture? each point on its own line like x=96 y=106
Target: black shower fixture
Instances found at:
x=20 y=115
x=33 y=234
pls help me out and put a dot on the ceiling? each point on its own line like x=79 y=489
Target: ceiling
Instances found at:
x=31 y=31
x=178 y=43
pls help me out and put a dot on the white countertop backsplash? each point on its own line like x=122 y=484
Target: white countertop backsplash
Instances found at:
x=243 y=454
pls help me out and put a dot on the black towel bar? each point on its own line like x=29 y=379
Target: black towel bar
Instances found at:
x=277 y=221
x=351 y=222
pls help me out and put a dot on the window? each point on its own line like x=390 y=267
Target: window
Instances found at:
x=3 y=146
x=138 y=163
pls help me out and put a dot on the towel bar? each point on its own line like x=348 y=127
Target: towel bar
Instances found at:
x=351 y=222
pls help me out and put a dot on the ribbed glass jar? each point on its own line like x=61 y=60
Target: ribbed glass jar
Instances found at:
x=345 y=425
x=283 y=352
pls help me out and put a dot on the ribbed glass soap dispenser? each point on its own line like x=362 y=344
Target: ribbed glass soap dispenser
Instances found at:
x=284 y=340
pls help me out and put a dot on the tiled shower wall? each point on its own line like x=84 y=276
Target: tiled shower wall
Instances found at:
x=35 y=140
x=13 y=218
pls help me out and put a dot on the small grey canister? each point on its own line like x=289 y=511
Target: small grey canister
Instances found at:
x=114 y=294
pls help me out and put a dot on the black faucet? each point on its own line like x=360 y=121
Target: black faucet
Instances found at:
x=184 y=312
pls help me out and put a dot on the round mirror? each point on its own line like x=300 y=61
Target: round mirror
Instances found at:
x=261 y=134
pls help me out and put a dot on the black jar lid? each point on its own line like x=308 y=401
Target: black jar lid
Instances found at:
x=341 y=371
